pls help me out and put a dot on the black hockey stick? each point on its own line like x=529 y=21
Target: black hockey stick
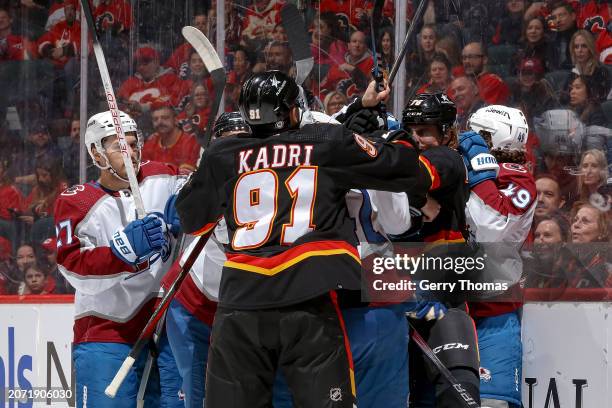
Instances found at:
x=376 y=72
x=466 y=398
x=208 y=54
x=114 y=110
x=213 y=64
x=299 y=43
x=415 y=20
x=149 y=329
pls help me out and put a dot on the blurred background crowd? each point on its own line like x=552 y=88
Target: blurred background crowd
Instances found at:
x=552 y=59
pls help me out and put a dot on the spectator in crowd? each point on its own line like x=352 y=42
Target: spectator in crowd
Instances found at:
x=179 y=60
x=547 y=267
x=231 y=94
x=351 y=77
x=386 y=48
x=593 y=175
x=169 y=144
x=12 y=47
x=533 y=43
x=563 y=25
x=25 y=256
x=113 y=16
x=419 y=60
x=242 y=67
x=49 y=259
x=50 y=183
x=550 y=198
x=584 y=101
x=508 y=30
x=60 y=45
x=530 y=92
x=327 y=48
x=279 y=34
x=39 y=147
x=36 y=282
x=278 y=57
x=449 y=47
x=493 y=90
x=9 y=273
x=71 y=152
x=11 y=199
x=196 y=73
x=464 y=92
x=194 y=117
x=150 y=83
x=589 y=224
x=63 y=40
x=439 y=75
x=259 y=22
x=334 y=101
x=586 y=62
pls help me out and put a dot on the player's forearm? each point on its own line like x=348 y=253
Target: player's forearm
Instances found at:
x=94 y=262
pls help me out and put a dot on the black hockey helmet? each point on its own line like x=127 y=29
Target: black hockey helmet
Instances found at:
x=430 y=109
x=266 y=100
x=228 y=122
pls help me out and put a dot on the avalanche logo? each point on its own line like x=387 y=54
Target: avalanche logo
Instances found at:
x=485 y=374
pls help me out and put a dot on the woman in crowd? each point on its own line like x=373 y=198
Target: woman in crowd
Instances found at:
x=334 y=101
x=194 y=117
x=439 y=75
x=586 y=62
x=327 y=48
x=420 y=60
x=593 y=176
x=50 y=182
x=584 y=101
x=386 y=48
x=533 y=43
x=508 y=29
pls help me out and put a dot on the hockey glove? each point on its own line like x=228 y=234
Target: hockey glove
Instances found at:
x=428 y=310
x=364 y=122
x=139 y=240
x=171 y=216
x=480 y=163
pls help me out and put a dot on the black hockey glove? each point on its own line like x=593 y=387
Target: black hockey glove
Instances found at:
x=364 y=121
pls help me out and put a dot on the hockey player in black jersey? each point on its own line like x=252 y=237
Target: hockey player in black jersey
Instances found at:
x=429 y=118
x=292 y=245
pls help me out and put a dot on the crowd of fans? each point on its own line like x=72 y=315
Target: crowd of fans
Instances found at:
x=551 y=59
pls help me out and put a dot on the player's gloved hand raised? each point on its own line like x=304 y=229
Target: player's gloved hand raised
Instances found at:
x=139 y=240
x=364 y=121
x=479 y=161
x=171 y=217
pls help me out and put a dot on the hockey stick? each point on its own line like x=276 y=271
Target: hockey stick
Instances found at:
x=297 y=35
x=376 y=72
x=213 y=64
x=417 y=17
x=466 y=398
x=112 y=107
x=151 y=325
x=208 y=54
x=140 y=397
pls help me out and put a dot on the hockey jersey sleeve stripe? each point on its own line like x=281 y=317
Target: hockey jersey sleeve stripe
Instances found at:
x=433 y=173
x=403 y=142
x=206 y=228
x=446 y=236
x=275 y=264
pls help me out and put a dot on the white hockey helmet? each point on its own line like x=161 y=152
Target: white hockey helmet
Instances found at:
x=100 y=126
x=508 y=126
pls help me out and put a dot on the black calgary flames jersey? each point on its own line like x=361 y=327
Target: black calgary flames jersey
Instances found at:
x=449 y=187
x=282 y=197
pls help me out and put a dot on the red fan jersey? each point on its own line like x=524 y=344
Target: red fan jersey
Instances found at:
x=183 y=153
x=115 y=13
x=138 y=90
x=260 y=22
x=61 y=35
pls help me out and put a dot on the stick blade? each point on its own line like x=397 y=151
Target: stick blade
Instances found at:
x=295 y=27
x=204 y=48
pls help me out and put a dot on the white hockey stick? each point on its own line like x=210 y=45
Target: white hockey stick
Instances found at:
x=213 y=65
x=114 y=110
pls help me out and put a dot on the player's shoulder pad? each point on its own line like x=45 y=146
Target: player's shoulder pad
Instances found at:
x=77 y=200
